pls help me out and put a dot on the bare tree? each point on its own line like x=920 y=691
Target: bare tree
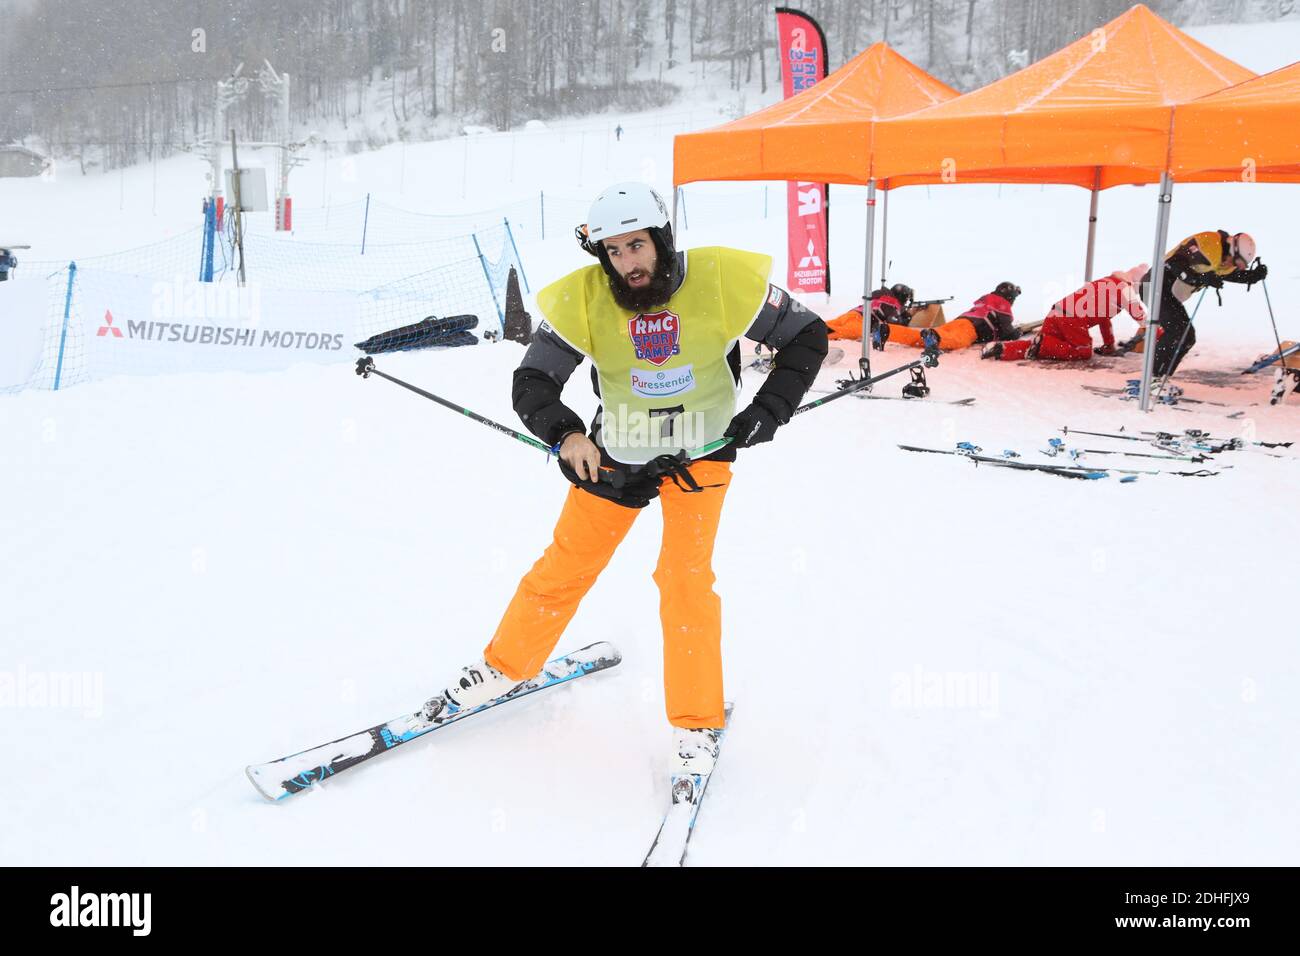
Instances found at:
x=98 y=81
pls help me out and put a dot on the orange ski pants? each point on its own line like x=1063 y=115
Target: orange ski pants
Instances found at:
x=587 y=534
x=957 y=334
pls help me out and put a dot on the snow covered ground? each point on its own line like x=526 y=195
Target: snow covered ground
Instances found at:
x=931 y=663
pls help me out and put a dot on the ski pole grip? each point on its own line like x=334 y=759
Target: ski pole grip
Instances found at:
x=605 y=475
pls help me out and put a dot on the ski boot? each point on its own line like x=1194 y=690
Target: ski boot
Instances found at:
x=929 y=348
x=879 y=334
x=695 y=749
x=472 y=687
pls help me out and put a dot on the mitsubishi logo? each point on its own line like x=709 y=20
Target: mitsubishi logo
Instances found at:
x=108 y=326
x=806 y=262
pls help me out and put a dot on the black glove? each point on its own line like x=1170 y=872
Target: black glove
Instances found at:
x=1105 y=350
x=631 y=489
x=752 y=426
x=1211 y=279
x=1255 y=274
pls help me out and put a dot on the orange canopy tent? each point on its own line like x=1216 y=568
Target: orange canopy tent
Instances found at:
x=1249 y=132
x=1136 y=101
x=1095 y=114
x=823 y=134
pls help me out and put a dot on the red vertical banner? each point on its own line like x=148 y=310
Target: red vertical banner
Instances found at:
x=803 y=63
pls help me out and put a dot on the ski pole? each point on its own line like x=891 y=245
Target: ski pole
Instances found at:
x=927 y=360
x=1197 y=434
x=1066 y=430
x=1159 y=439
x=1269 y=302
x=1138 y=454
x=1200 y=473
x=366 y=368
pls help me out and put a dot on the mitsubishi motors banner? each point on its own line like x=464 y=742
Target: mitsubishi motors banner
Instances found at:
x=132 y=325
x=803 y=63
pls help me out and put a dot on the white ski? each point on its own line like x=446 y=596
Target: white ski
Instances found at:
x=283 y=778
x=669 y=846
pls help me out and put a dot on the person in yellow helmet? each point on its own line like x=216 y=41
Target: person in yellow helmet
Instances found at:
x=662 y=331
x=1205 y=260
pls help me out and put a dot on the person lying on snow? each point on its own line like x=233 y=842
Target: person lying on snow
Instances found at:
x=988 y=320
x=1066 y=334
x=892 y=305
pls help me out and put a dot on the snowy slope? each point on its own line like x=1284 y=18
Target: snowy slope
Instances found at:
x=932 y=663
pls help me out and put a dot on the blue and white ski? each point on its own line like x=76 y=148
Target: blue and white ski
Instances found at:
x=293 y=774
x=971 y=452
x=1268 y=360
x=1174 y=400
x=669 y=846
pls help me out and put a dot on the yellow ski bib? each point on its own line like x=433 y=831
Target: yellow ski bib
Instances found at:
x=665 y=384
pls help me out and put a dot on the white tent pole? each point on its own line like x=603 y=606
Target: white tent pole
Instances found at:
x=865 y=362
x=884 y=239
x=1092 y=227
x=1163 y=203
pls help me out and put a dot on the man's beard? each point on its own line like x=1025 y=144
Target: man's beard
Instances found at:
x=655 y=292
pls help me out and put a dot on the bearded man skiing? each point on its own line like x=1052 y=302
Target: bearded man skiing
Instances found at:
x=662 y=329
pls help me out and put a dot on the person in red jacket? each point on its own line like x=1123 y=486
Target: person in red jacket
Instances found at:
x=1066 y=334
x=989 y=319
x=892 y=304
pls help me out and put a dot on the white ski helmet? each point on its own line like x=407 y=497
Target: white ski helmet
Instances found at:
x=624 y=208
x=1242 y=248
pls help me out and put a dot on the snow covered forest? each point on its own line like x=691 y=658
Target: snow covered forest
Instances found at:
x=114 y=82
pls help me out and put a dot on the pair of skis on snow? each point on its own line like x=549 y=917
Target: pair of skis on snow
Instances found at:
x=1011 y=459
x=280 y=779
x=1173 y=395
x=1172 y=398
